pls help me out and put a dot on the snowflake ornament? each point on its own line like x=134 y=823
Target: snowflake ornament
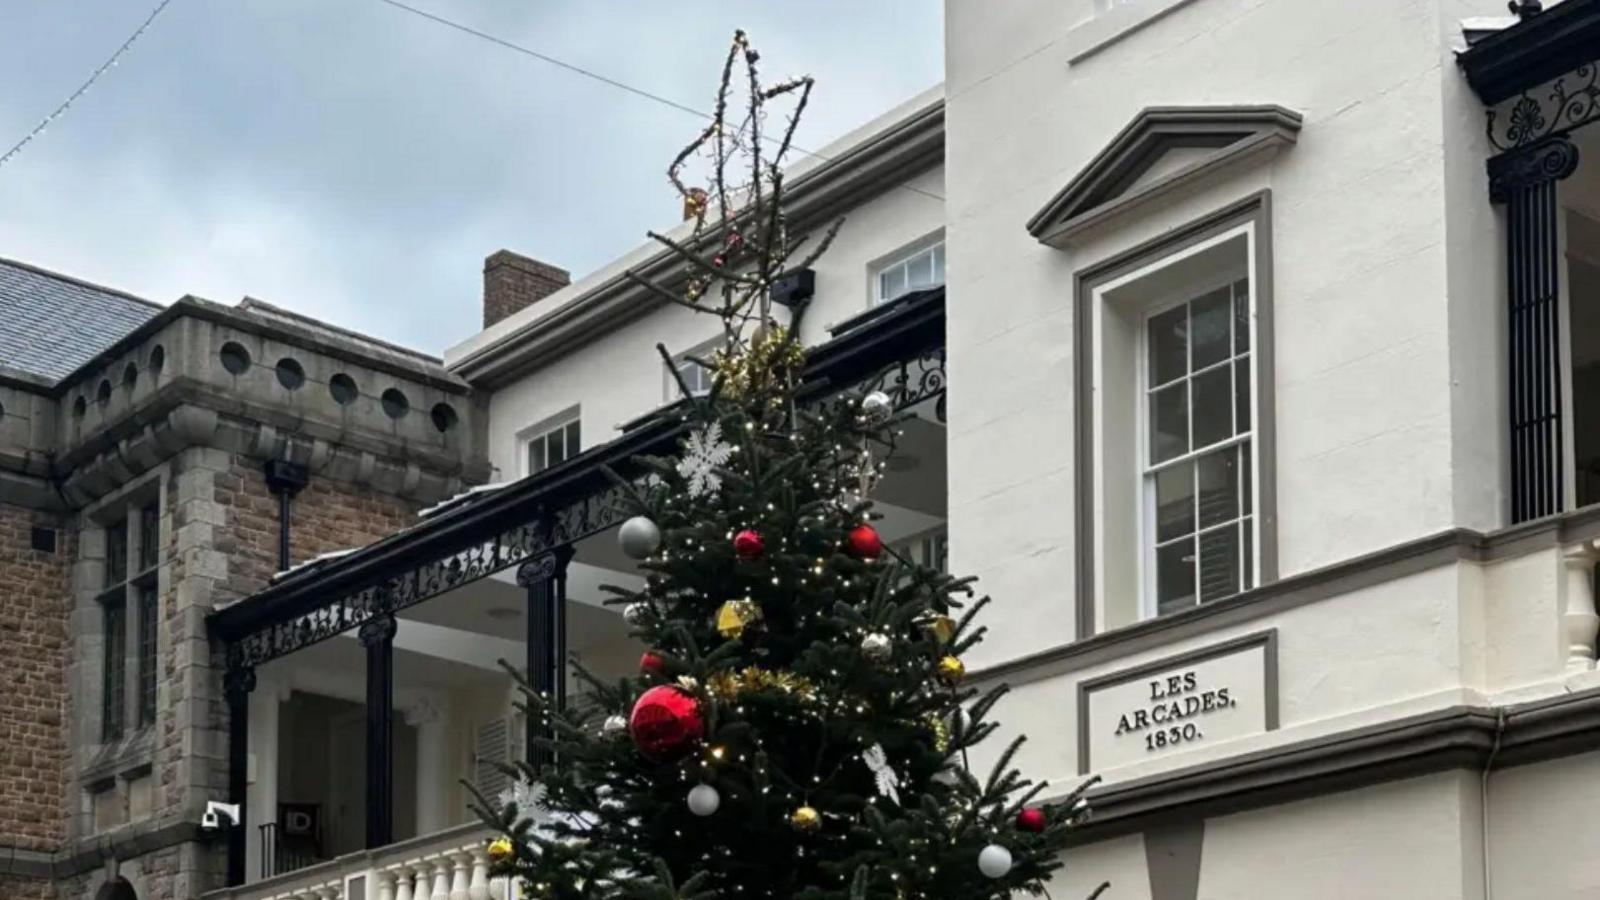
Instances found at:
x=888 y=780
x=528 y=796
x=703 y=453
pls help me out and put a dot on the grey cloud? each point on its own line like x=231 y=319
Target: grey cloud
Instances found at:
x=355 y=162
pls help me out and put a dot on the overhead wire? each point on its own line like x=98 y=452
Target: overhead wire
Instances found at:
x=596 y=76
x=84 y=88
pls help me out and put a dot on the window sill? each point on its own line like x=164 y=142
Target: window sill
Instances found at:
x=1108 y=27
x=109 y=760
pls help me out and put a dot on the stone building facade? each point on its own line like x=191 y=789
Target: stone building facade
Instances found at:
x=135 y=500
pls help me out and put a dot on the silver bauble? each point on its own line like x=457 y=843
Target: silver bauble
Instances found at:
x=639 y=537
x=877 y=408
x=614 y=725
x=994 y=861
x=877 y=646
x=704 y=800
x=634 y=613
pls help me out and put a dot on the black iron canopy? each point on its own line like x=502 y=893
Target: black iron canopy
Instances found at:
x=897 y=347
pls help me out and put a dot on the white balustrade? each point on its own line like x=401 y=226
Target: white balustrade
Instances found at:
x=450 y=865
x=1580 y=624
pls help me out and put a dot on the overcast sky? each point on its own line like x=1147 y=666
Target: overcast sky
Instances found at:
x=355 y=162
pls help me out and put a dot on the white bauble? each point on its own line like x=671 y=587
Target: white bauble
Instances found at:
x=704 y=799
x=877 y=408
x=639 y=537
x=634 y=613
x=994 y=861
x=877 y=647
x=614 y=725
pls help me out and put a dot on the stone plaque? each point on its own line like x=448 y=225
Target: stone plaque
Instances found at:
x=1206 y=696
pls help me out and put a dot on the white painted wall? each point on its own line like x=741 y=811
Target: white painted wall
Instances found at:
x=619 y=376
x=1385 y=288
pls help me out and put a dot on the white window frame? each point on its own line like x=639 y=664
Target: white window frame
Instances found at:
x=934 y=245
x=1149 y=469
x=669 y=388
x=541 y=431
x=1104 y=494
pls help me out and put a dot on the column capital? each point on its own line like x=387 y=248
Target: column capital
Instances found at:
x=1551 y=159
x=550 y=564
x=238 y=682
x=378 y=630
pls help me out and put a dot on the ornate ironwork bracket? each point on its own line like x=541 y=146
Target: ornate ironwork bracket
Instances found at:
x=1554 y=108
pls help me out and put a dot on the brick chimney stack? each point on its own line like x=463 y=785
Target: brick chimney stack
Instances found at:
x=512 y=282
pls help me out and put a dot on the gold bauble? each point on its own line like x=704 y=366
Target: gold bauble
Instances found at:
x=501 y=850
x=806 y=819
x=735 y=616
x=943 y=628
x=951 y=670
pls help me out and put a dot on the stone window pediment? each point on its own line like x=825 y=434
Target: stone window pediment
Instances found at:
x=1163 y=149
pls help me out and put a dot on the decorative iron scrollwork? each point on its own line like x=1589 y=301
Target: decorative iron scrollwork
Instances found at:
x=1553 y=108
x=908 y=382
x=911 y=381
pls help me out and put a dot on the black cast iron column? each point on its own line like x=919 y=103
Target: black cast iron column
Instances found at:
x=237 y=683
x=378 y=637
x=1525 y=181
x=545 y=579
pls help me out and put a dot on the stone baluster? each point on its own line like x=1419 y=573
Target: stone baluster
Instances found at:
x=384 y=878
x=460 y=874
x=333 y=890
x=441 y=879
x=1580 y=624
x=421 y=874
x=404 y=880
x=500 y=889
x=478 y=889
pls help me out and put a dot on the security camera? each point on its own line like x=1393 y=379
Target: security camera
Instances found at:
x=215 y=810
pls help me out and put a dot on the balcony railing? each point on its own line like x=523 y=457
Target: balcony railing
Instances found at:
x=448 y=865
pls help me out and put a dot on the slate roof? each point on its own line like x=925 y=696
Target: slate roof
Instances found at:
x=51 y=324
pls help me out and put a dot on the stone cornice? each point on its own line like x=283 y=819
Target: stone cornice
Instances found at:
x=87 y=854
x=186 y=415
x=910 y=147
x=175 y=426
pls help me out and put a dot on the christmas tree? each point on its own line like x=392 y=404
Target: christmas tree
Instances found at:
x=799 y=727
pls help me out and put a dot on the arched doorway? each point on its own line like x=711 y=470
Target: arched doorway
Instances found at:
x=116 y=889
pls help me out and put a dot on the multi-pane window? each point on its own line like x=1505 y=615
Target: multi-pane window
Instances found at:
x=130 y=610
x=149 y=610
x=695 y=376
x=113 y=699
x=1197 y=476
x=149 y=536
x=554 y=445
x=921 y=270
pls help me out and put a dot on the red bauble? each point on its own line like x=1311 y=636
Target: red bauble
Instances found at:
x=1031 y=819
x=748 y=544
x=666 y=723
x=864 y=542
x=652 y=664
